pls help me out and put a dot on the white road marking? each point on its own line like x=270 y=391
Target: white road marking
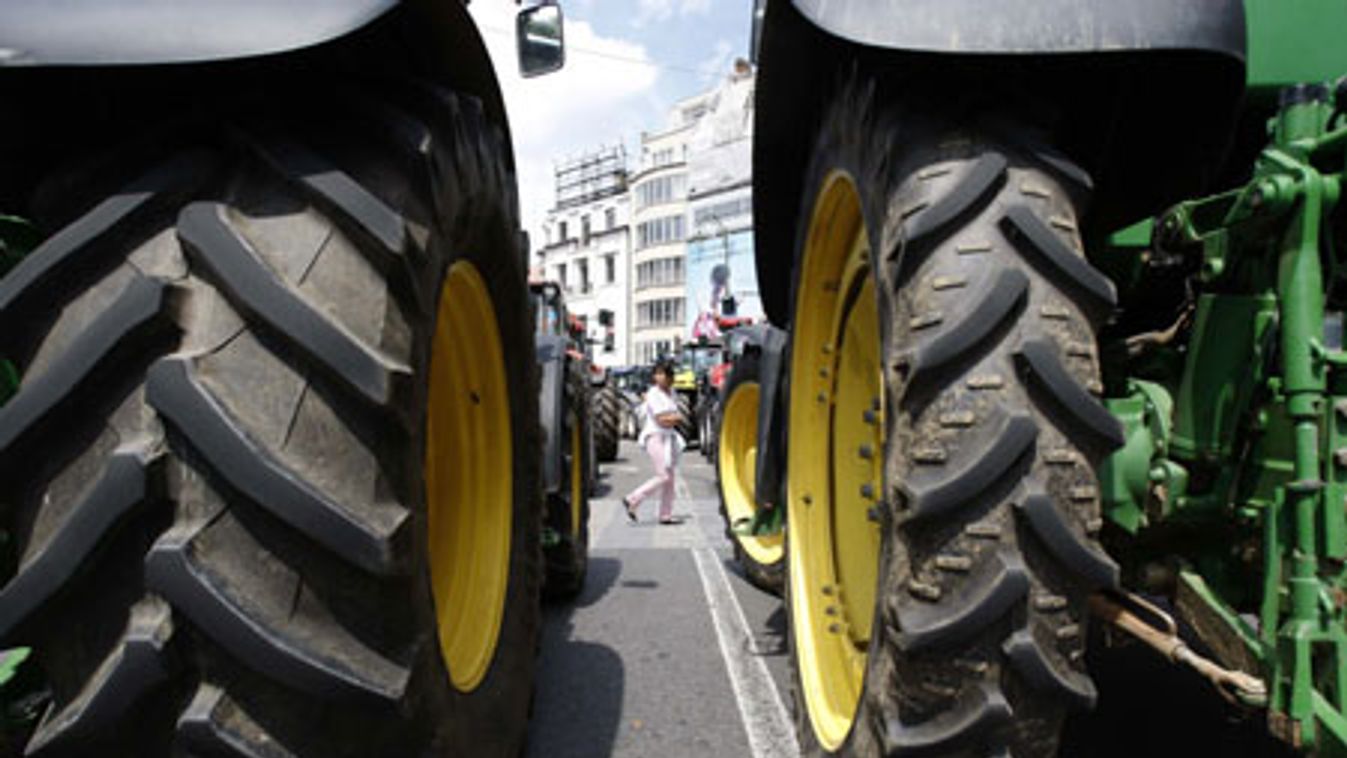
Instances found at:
x=769 y=728
x=766 y=720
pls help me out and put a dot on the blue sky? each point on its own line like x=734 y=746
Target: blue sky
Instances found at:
x=627 y=62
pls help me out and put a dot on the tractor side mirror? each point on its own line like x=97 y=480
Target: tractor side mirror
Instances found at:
x=540 y=39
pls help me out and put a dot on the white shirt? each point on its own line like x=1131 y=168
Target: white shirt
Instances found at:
x=657 y=402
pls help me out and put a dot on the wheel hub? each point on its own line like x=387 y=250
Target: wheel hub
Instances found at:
x=836 y=475
x=468 y=474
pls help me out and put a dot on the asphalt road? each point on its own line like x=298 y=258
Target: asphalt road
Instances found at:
x=668 y=645
x=669 y=651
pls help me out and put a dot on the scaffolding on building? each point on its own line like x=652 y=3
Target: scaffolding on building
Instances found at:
x=591 y=176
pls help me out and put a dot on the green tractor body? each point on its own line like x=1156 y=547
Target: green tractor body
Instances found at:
x=1150 y=365
x=568 y=461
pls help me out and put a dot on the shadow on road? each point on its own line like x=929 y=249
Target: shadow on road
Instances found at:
x=577 y=706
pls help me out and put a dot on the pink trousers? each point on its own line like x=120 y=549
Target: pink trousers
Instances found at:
x=656 y=446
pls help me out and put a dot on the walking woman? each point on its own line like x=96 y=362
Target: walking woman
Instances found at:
x=661 y=440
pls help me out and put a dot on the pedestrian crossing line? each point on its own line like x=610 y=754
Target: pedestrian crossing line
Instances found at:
x=766 y=721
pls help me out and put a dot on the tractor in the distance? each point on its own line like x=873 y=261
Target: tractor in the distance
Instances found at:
x=568 y=465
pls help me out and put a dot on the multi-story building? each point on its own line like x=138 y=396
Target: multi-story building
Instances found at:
x=587 y=247
x=720 y=268
x=668 y=244
x=660 y=224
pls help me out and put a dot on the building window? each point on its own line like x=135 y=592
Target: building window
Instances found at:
x=650 y=350
x=584 y=229
x=661 y=157
x=666 y=311
x=722 y=211
x=660 y=190
x=561 y=275
x=659 y=231
x=609 y=268
x=582 y=266
x=665 y=272
x=610 y=218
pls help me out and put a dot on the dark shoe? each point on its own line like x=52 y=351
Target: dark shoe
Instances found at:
x=630 y=508
x=672 y=520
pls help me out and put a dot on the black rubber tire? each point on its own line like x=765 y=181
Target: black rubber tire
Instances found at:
x=770 y=577
x=706 y=426
x=607 y=419
x=631 y=425
x=567 y=559
x=687 y=422
x=214 y=465
x=990 y=510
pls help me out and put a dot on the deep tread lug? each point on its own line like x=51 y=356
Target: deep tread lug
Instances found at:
x=1036 y=240
x=993 y=304
x=214 y=245
x=1093 y=569
x=136 y=315
x=71 y=246
x=976 y=186
x=203 y=726
x=963 y=727
x=1032 y=663
x=986 y=596
x=943 y=491
x=356 y=211
x=122 y=489
x=136 y=665
x=252 y=470
x=1038 y=358
x=171 y=572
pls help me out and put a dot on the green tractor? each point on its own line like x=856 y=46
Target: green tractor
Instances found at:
x=269 y=450
x=568 y=462
x=1062 y=291
x=692 y=367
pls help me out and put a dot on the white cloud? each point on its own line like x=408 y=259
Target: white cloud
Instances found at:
x=600 y=97
x=689 y=7
x=658 y=11
x=652 y=11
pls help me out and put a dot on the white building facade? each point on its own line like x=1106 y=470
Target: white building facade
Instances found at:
x=721 y=269
x=587 y=248
x=670 y=247
x=659 y=238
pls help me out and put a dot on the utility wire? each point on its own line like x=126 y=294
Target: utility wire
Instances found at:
x=571 y=47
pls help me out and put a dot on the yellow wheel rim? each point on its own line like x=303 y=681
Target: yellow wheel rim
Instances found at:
x=737 y=458
x=468 y=470
x=577 y=482
x=835 y=472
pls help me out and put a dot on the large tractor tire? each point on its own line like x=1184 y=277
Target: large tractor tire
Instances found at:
x=762 y=558
x=687 y=421
x=631 y=422
x=706 y=425
x=607 y=422
x=568 y=508
x=271 y=473
x=944 y=436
